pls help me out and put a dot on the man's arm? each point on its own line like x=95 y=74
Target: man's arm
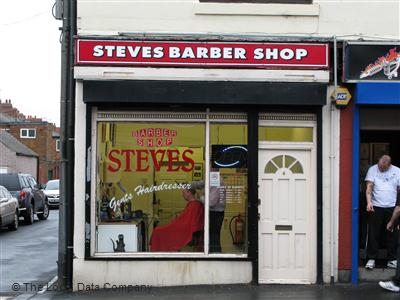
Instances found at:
x=395 y=216
x=368 y=194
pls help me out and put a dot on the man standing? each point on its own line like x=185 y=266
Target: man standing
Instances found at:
x=217 y=199
x=394 y=284
x=382 y=186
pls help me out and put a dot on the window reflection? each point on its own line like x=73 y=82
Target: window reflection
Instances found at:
x=144 y=198
x=228 y=188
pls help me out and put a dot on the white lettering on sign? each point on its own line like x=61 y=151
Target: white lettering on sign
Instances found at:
x=300 y=53
x=274 y=53
x=146 y=52
x=133 y=51
x=212 y=52
x=188 y=53
x=98 y=51
x=158 y=52
x=287 y=54
x=271 y=53
x=240 y=53
x=114 y=203
x=215 y=52
x=202 y=52
x=141 y=189
x=174 y=52
x=120 y=51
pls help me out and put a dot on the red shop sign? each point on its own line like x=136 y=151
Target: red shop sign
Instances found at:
x=202 y=54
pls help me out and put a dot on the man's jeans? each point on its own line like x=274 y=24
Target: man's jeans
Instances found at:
x=377 y=221
x=396 y=278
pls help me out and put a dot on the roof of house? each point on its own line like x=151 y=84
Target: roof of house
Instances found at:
x=5 y=118
x=12 y=143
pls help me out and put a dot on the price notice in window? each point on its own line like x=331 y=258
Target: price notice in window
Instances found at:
x=202 y=54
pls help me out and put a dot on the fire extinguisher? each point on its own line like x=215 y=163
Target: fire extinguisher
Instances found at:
x=238 y=237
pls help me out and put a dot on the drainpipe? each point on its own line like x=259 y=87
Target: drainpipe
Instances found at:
x=332 y=169
x=67 y=99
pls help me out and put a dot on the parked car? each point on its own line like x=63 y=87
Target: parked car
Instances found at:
x=52 y=191
x=29 y=194
x=9 y=211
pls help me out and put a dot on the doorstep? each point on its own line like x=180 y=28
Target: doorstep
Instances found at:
x=377 y=274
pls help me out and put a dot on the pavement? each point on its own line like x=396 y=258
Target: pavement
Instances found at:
x=28 y=255
x=235 y=292
x=28 y=258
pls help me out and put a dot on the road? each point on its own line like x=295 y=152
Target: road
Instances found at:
x=29 y=254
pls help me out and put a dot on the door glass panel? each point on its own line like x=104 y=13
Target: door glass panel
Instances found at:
x=285 y=134
x=289 y=160
x=297 y=168
x=284 y=161
x=278 y=161
x=270 y=168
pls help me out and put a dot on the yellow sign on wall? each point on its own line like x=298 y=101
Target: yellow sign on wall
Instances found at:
x=341 y=96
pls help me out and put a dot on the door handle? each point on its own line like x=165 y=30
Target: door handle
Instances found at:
x=284 y=227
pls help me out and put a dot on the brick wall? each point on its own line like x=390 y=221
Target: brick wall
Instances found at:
x=7 y=158
x=17 y=163
x=44 y=145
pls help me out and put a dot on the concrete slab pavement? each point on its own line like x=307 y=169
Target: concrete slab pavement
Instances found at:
x=236 y=292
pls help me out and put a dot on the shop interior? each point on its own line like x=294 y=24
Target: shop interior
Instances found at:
x=138 y=190
x=379 y=134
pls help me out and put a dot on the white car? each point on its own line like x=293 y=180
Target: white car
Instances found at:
x=52 y=191
x=9 y=209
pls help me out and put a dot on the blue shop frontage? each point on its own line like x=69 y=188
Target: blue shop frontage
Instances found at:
x=374 y=71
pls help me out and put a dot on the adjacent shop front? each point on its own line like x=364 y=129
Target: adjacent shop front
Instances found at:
x=200 y=162
x=374 y=124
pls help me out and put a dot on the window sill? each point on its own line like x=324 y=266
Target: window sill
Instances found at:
x=251 y=9
x=166 y=256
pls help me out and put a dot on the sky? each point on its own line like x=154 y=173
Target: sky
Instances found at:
x=30 y=57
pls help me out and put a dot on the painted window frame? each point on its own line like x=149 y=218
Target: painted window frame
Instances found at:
x=93 y=175
x=22 y=136
x=58 y=145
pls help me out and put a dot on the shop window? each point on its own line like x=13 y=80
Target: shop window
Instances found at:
x=285 y=134
x=28 y=133
x=150 y=188
x=228 y=188
x=144 y=194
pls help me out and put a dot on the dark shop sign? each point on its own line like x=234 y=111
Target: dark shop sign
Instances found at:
x=371 y=62
x=229 y=156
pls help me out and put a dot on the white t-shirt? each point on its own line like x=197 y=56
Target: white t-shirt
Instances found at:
x=384 y=192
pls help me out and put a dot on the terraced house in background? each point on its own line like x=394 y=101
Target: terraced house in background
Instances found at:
x=42 y=137
x=248 y=99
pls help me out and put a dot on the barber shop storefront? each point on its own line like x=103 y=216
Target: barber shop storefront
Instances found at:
x=373 y=121
x=201 y=162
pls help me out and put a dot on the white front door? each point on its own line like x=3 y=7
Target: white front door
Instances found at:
x=287 y=213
